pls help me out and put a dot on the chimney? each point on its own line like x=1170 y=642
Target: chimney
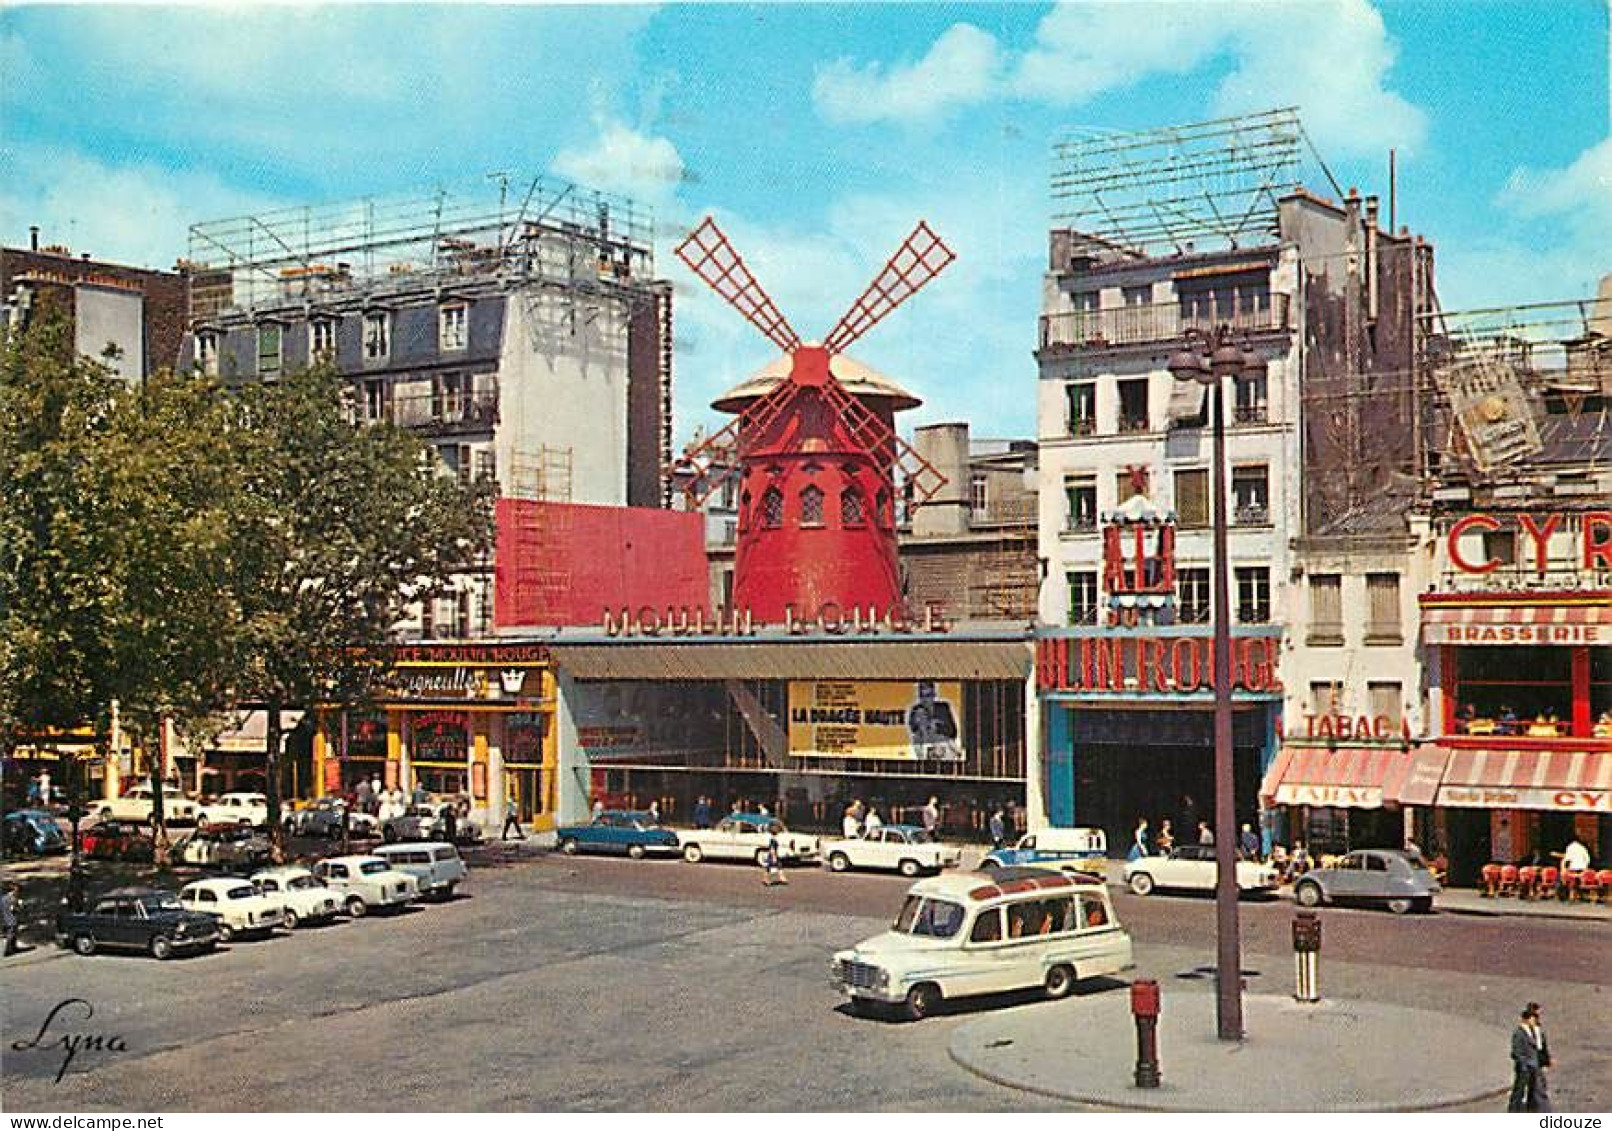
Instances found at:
x=1371 y=259
x=946 y=447
x=33 y=237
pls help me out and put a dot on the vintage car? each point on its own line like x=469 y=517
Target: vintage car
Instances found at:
x=237 y=905
x=619 y=831
x=1372 y=875
x=236 y=847
x=250 y=809
x=138 y=802
x=908 y=849
x=137 y=919
x=367 y=883
x=33 y=832
x=1069 y=849
x=1191 y=867
x=436 y=864
x=323 y=818
x=303 y=895
x=428 y=821
x=116 y=840
x=968 y=933
x=744 y=836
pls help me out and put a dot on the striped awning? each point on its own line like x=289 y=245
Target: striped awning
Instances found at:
x=1561 y=780
x=1575 y=619
x=1354 y=777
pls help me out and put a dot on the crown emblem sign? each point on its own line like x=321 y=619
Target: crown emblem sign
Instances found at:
x=513 y=679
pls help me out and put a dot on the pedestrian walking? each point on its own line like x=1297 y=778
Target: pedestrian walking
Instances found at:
x=774 y=864
x=375 y=795
x=998 y=828
x=450 y=823
x=8 y=916
x=702 y=812
x=873 y=823
x=1206 y=835
x=33 y=793
x=1166 y=838
x=1139 y=840
x=932 y=817
x=361 y=796
x=654 y=812
x=512 y=818
x=1250 y=843
x=1527 y=1063
x=44 y=789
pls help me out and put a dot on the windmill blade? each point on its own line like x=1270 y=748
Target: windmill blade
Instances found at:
x=709 y=465
x=888 y=449
x=710 y=256
x=919 y=259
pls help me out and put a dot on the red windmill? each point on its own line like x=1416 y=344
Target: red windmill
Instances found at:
x=815 y=445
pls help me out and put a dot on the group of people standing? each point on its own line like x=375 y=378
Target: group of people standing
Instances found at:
x=384 y=804
x=1144 y=843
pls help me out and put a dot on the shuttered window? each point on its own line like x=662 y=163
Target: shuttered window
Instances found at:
x=1326 y=609
x=1192 y=498
x=1382 y=608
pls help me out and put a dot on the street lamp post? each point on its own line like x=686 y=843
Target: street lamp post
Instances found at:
x=1209 y=359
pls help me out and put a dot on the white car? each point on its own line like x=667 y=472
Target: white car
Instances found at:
x=983 y=933
x=137 y=803
x=1191 y=867
x=238 y=906
x=744 y=836
x=437 y=865
x=302 y=894
x=366 y=883
x=235 y=809
x=908 y=849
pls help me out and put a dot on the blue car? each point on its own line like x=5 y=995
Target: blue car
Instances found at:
x=33 y=832
x=618 y=831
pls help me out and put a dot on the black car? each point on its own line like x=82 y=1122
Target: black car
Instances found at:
x=137 y=919
x=33 y=832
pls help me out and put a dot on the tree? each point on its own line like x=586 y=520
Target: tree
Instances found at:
x=340 y=527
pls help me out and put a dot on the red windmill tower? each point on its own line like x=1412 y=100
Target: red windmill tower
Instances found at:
x=814 y=445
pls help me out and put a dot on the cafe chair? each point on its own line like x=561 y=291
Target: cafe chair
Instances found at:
x=1491 y=880
x=1548 y=877
x=1508 y=879
x=1602 y=885
x=1572 y=882
x=1528 y=881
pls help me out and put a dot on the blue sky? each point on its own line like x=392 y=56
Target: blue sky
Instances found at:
x=816 y=134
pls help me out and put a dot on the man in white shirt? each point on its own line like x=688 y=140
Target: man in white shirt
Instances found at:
x=1577 y=857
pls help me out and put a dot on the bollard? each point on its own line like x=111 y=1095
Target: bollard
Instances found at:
x=1307 y=957
x=1145 y=1008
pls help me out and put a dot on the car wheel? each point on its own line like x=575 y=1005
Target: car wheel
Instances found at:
x=226 y=933
x=839 y=862
x=84 y=945
x=923 y=1000
x=1060 y=980
x=357 y=908
x=692 y=853
x=568 y=846
x=909 y=868
x=636 y=851
x=160 y=947
x=1401 y=906
x=1308 y=894
x=291 y=919
x=1142 y=883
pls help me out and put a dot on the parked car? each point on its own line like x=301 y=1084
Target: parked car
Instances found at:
x=1371 y=875
x=1191 y=867
x=237 y=905
x=33 y=832
x=908 y=849
x=620 y=831
x=1070 y=850
x=250 y=809
x=236 y=847
x=323 y=818
x=117 y=840
x=427 y=821
x=971 y=933
x=436 y=864
x=744 y=836
x=137 y=804
x=137 y=919
x=367 y=883
x=304 y=896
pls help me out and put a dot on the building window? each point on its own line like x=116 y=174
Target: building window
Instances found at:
x=772 y=508
x=1250 y=491
x=1245 y=303
x=1500 y=545
x=1253 y=594
x=487 y=465
x=730 y=493
x=1082 y=407
x=1083 y=597
x=453 y=327
x=1192 y=595
x=1081 y=495
x=1326 y=609
x=1250 y=400
x=852 y=510
x=1326 y=697
x=884 y=513
x=268 y=349
x=1387 y=700
x=1133 y=405
x=321 y=339
x=456 y=458
x=450 y=394
x=1382 y=608
x=375 y=400
x=1192 y=498
x=811 y=506
x=207 y=353
x=1139 y=295
x=1086 y=302
x=978 y=487
x=1513 y=689
x=377 y=336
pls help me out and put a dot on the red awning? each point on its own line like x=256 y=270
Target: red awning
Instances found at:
x=1562 y=780
x=1575 y=620
x=1354 y=777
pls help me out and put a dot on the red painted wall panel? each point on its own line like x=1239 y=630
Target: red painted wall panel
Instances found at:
x=565 y=563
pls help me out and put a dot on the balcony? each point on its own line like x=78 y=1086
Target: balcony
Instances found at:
x=1252 y=514
x=446 y=414
x=1133 y=424
x=1083 y=426
x=1154 y=322
x=1250 y=414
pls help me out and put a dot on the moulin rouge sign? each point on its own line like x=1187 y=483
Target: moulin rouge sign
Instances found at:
x=831 y=618
x=1153 y=664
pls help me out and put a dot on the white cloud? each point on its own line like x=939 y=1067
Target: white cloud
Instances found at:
x=959 y=70
x=1581 y=192
x=623 y=160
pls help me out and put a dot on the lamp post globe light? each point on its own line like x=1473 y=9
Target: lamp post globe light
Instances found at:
x=1209 y=359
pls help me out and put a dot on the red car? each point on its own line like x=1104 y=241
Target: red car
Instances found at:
x=116 y=840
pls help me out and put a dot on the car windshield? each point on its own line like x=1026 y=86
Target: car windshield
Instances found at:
x=920 y=836
x=245 y=891
x=373 y=867
x=160 y=903
x=302 y=883
x=935 y=918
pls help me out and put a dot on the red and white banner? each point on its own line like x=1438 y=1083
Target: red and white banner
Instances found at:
x=1563 y=780
x=1566 y=624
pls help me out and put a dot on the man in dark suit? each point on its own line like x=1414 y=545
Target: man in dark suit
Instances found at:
x=1528 y=1058
x=1541 y=1096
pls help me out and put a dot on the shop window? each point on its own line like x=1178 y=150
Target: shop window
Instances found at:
x=1506 y=690
x=1192 y=498
x=1387 y=700
x=811 y=506
x=1250 y=492
x=1193 y=600
x=268 y=349
x=1082 y=407
x=772 y=508
x=1326 y=609
x=1382 y=608
x=1083 y=597
x=1081 y=496
x=1501 y=546
x=853 y=510
x=1133 y=405
x=1253 y=594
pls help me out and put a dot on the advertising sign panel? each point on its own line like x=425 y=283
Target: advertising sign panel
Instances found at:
x=887 y=720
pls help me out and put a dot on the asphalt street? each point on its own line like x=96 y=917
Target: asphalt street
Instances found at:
x=596 y=984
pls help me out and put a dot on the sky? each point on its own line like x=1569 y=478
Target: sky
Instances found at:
x=817 y=135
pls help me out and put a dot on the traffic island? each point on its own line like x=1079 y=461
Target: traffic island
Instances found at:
x=1329 y=1056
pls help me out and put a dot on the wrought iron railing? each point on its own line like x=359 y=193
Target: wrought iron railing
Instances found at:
x=1153 y=322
